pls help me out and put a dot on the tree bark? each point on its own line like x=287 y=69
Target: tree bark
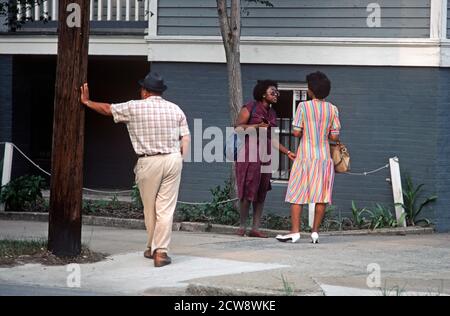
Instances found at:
x=230 y=29
x=64 y=235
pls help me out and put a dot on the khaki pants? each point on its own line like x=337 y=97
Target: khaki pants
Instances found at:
x=158 y=178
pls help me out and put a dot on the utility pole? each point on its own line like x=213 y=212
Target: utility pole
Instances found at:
x=64 y=234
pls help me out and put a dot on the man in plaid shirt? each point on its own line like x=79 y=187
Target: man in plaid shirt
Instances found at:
x=160 y=136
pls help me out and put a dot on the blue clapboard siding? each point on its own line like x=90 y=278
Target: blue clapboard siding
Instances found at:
x=442 y=210
x=6 y=77
x=385 y=112
x=297 y=18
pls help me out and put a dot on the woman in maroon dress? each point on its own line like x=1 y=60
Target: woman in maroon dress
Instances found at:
x=252 y=182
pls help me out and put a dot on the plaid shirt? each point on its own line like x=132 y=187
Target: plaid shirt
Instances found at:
x=154 y=124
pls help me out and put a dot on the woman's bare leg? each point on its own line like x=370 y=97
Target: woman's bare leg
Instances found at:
x=244 y=207
x=296 y=214
x=318 y=216
x=257 y=214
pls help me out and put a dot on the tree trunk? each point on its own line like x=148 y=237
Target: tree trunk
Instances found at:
x=64 y=235
x=230 y=29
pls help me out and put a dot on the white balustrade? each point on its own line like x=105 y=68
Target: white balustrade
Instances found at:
x=19 y=11
x=127 y=10
x=36 y=10
x=45 y=10
x=91 y=11
x=118 y=10
x=136 y=10
x=28 y=10
x=100 y=10
x=109 y=11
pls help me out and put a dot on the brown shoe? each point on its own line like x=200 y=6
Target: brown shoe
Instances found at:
x=257 y=233
x=161 y=259
x=240 y=232
x=148 y=253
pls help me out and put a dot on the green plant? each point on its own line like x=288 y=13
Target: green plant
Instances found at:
x=331 y=221
x=412 y=208
x=94 y=206
x=288 y=289
x=215 y=212
x=10 y=247
x=21 y=192
x=114 y=203
x=136 y=197
x=273 y=221
x=358 y=218
x=382 y=217
x=193 y=213
x=393 y=291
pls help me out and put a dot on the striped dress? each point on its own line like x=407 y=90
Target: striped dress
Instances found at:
x=312 y=174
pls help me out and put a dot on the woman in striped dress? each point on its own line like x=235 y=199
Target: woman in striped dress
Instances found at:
x=312 y=175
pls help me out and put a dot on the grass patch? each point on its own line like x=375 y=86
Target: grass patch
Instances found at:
x=14 y=248
x=17 y=252
x=288 y=288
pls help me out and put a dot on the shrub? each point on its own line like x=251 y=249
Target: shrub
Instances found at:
x=273 y=221
x=358 y=218
x=136 y=197
x=382 y=217
x=410 y=198
x=22 y=192
x=214 y=212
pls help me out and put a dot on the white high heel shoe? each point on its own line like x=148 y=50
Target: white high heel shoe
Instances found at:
x=315 y=238
x=293 y=238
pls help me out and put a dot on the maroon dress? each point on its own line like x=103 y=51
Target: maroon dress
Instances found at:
x=251 y=183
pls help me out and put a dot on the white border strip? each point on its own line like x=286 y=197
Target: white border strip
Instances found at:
x=311 y=51
x=296 y=51
x=98 y=45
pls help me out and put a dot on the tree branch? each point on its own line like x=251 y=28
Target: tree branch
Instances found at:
x=225 y=29
x=236 y=24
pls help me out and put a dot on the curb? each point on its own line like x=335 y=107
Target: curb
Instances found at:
x=196 y=289
x=210 y=228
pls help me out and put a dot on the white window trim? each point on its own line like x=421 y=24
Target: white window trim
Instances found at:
x=286 y=86
x=289 y=86
x=438 y=19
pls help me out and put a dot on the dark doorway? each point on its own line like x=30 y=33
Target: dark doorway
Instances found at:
x=109 y=157
x=33 y=93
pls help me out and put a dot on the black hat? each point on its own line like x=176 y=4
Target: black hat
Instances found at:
x=153 y=82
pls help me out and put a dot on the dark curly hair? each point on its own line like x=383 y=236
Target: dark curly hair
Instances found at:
x=319 y=84
x=261 y=87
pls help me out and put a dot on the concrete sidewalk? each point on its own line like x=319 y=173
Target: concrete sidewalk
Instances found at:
x=213 y=264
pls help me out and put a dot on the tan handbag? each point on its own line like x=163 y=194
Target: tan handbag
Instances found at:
x=341 y=157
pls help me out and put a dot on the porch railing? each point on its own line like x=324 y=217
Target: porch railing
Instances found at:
x=101 y=10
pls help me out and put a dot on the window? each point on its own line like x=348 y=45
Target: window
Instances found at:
x=291 y=94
